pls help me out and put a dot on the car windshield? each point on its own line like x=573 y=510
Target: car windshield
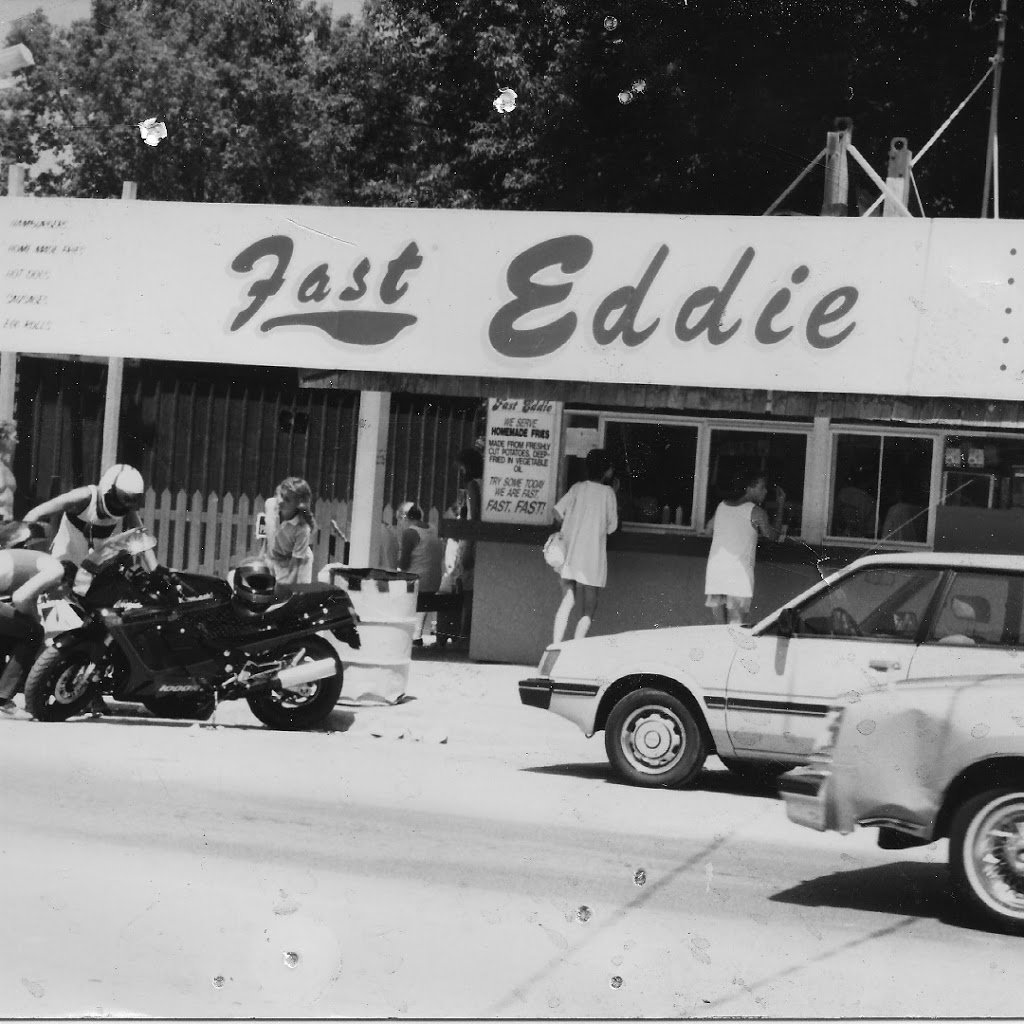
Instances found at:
x=870 y=602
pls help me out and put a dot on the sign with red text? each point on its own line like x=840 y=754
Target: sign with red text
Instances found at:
x=882 y=305
x=519 y=461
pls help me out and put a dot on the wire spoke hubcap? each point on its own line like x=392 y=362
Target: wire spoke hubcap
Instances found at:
x=997 y=856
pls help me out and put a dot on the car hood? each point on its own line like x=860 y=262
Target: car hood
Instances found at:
x=679 y=647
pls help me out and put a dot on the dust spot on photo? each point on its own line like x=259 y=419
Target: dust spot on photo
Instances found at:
x=699 y=947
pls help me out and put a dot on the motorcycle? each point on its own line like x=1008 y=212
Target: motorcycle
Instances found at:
x=179 y=643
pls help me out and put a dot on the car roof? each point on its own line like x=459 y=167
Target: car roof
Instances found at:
x=952 y=559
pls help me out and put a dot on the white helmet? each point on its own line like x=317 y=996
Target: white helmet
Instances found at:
x=121 y=489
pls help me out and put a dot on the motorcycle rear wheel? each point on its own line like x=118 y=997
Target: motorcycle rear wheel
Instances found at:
x=293 y=711
x=60 y=684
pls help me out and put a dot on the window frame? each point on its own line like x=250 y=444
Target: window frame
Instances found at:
x=934 y=484
x=705 y=426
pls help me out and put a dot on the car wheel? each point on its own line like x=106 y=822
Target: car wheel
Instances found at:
x=653 y=739
x=986 y=857
x=765 y=772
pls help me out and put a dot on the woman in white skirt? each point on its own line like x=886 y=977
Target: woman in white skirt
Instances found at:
x=735 y=526
x=588 y=512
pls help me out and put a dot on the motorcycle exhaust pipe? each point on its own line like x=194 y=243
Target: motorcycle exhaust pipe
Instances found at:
x=298 y=675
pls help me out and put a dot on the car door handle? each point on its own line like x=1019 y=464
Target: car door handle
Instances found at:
x=883 y=665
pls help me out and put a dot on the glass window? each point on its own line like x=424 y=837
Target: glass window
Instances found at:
x=983 y=472
x=780 y=458
x=655 y=463
x=874 y=602
x=881 y=487
x=980 y=608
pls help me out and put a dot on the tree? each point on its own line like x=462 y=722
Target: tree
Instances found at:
x=228 y=77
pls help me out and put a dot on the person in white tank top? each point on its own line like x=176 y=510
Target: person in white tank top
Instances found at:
x=735 y=527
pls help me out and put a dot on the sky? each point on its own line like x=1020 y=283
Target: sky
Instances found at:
x=63 y=12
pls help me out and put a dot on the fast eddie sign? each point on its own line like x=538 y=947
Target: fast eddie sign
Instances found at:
x=519 y=461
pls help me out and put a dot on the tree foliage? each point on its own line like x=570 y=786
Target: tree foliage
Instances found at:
x=687 y=106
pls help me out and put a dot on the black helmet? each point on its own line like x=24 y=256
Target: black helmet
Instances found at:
x=254 y=584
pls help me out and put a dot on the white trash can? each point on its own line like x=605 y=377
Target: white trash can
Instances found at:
x=385 y=601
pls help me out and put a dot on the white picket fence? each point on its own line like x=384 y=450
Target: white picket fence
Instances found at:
x=211 y=534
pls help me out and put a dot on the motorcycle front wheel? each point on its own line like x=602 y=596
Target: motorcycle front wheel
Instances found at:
x=296 y=711
x=60 y=684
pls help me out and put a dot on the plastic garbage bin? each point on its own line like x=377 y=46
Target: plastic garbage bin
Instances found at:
x=385 y=601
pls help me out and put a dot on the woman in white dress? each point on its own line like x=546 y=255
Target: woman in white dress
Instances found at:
x=735 y=526
x=588 y=512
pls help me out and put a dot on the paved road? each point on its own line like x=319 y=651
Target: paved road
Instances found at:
x=165 y=869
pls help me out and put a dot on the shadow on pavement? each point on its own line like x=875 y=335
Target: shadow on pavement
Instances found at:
x=339 y=720
x=909 y=888
x=711 y=780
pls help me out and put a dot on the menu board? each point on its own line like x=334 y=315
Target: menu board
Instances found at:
x=519 y=461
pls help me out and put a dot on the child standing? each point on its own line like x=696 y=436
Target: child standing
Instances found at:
x=289 y=529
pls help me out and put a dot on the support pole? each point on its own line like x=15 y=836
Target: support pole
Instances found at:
x=115 y=381
x=897 y=179
x=368 y=485
x=837 y=174
x=992 y=150
x=9 y=360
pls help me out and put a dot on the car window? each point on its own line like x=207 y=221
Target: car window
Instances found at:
x=877 y=601
x=981 y=608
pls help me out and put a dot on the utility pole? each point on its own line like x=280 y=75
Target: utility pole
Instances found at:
x=992 y=151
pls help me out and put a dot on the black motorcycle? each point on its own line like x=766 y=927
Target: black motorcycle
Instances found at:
x=179 y=643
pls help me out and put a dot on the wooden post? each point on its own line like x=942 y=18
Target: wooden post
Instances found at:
x=9 y=360
x=897 y=178
x=115 y=380
x=368 y=484
x=837 y=174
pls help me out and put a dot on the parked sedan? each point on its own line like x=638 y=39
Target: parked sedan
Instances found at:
x=667 y=698
x=929 y=760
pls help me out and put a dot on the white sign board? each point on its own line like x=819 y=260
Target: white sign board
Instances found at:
x=874 y=305
x=519 y=461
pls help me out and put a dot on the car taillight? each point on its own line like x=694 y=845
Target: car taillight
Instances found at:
x=547 y=663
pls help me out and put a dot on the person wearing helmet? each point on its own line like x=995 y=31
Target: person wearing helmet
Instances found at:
x=25 y=576
x=92 y=514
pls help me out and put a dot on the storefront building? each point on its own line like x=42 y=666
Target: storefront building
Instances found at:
x=871 y=368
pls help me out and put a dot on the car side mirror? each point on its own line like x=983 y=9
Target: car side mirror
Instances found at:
x=788 y=622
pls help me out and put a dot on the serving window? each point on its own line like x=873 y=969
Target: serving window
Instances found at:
x=780 y=457
x=656 y=466
x=881 y=487
x=983 y=471
x=672 y=472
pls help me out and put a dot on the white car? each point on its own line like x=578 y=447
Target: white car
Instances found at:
x=757 y=697
x=925 y=762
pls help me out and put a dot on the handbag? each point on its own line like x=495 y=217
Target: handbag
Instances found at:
x=554 y=551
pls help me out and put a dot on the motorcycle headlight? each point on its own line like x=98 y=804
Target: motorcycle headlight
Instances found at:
x=547 y=663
